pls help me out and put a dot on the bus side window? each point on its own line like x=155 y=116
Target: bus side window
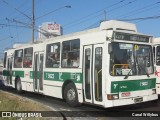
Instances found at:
x=18 y=58
x=76 y=62
x=28 y=55
x=70 y=53
x=18 y=63
x=53 y=55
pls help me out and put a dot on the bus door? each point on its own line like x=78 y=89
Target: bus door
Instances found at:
x=38 y=71
x=9 y=69
x=92 y=73
x=157 y=66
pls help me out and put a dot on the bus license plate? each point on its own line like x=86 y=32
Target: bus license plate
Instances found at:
x=137 y=100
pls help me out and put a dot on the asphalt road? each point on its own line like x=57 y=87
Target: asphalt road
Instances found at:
x=90 y=112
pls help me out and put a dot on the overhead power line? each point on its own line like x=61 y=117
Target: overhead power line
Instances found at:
x=141 y=18
x=17 y=21
x=16 y=9
x=89 y=15
x=9 y=25
x=131 y=19
x=86 y=19
x=67 y=6
x=130 y=2
x=140 y=10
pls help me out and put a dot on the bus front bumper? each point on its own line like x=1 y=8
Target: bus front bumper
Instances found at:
x=129 y=101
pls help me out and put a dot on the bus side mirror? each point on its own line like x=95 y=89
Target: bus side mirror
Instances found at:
x=110 y=48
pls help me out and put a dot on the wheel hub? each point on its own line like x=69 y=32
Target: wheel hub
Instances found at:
x=71 y=94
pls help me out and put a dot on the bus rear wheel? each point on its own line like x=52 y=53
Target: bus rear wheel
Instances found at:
x=19 y=86
x=70 y=95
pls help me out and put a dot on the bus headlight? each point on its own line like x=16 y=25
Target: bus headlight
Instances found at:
x=112 y=96
x=153 y=91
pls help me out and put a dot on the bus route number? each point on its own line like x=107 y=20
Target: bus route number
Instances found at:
x=51 y=76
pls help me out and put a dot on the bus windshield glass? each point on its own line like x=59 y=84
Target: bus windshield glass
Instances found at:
x=130 y=59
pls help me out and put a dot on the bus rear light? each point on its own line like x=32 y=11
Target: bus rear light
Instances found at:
x=153 y=91
x=112 y=96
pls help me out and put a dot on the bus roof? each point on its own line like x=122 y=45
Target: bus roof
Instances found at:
x=111 y=25
x=156 y=40
x=118 y=25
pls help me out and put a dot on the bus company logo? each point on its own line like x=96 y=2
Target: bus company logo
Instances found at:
x=143 y=83
x=115 y=86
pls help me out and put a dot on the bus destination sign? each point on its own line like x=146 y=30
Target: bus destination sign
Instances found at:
x=131 y=37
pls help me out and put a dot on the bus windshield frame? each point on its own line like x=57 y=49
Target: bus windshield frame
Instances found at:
x=131 y=59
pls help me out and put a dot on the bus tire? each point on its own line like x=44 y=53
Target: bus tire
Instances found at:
x=71 y=95
x=19 y=86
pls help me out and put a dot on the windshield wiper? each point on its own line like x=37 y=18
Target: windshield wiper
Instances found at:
x=129 y=71
x=139 y=67
x=127 y=74
x=142 y=68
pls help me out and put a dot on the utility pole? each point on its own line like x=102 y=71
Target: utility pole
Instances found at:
x=33 y=22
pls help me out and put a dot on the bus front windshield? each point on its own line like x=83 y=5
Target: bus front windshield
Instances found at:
x=130 y=59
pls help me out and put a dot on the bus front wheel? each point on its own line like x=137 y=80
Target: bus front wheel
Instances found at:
x=70 y=94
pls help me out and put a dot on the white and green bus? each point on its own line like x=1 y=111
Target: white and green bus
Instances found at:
x=156 y=54
x=108 y=66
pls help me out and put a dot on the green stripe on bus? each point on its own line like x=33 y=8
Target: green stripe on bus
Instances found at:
x=132 y=85
x=62 y=76
x=6 y=73
x=14 y=73
x=18 y=73
x=59 y=76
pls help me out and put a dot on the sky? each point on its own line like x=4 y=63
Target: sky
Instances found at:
x=15 y=16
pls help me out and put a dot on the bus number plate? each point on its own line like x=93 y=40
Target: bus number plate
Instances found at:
x=138 y=100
